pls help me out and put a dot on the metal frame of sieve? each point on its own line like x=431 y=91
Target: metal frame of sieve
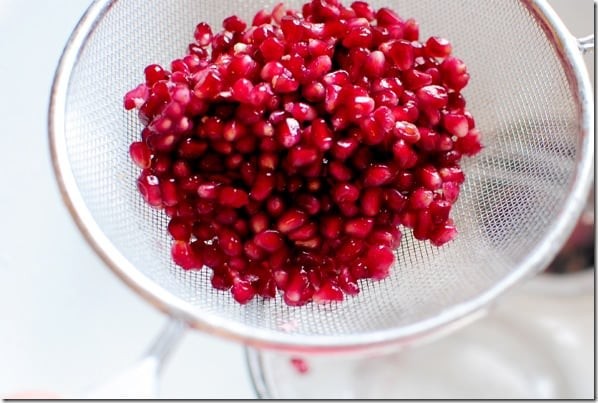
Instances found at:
x=570 y=50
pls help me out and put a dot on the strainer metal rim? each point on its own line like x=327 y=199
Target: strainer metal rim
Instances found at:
x=566 y=44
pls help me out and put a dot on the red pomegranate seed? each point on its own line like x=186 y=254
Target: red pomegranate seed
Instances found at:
x=140 y=154
x=184 y=256
x=179 y=229
x=301 y=156
x=395 y=200
x=443 y=234
x=377 y=175
x=233 y=197
x=328 y=292
x=262 y=186
x=234 y=24
x=243 y=292
x=411 y=30
x=149 y=187
x=421 y=198
x=359 y=227
x=269 y=240
x=400 y=53
x=298 y=290
x=429 y=177
x=272 y=49
x=438 y=47
x=229 y=242
x=450 y=190
x=291 y=220
x=137 y=97
x=261 y=17
x=288 y=132
x=432 y=96
x=203 y=34
x=330 y=227
x=379 y=258
x=363 y=10
x=454 y=73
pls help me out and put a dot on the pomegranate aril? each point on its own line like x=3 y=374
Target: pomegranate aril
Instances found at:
x=400 y=53
x=184 y=256
x=269 y=240
x=443 y=234
x=379 y=258
x=149 y=187
x=233 y=197
x=288 y=133
x=328 y=292
x=234 y=24
x=359 y=227
x=179 y=229
x=377 y=175
x=272 y=49
x=438 y=47
x=421 y=198
x=229 y=242
x=140 y=154
x=203 y=34
x=291 y=220
x=429 y=177
x=298 y=290
x=243 y=291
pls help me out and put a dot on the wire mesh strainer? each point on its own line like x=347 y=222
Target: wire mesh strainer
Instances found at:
x=523 y=194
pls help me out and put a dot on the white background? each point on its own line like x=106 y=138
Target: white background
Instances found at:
x=66 y=322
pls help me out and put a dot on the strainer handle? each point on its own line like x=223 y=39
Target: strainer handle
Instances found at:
x=586 y=43
x=140 y=381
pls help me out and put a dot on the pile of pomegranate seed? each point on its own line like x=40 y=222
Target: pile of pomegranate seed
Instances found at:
x=290 y=153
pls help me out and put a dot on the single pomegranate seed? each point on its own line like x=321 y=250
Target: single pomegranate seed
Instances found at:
x=184 y=256
x=149 y=187
x=377 y=175
x=395 y=200
x=230 y=242
x=288 y=132
x=421 y=198
x=432 y=96
x=243 y=292
x=137 y=97
x=272 y=49
x=400 y=53
x=442 y=235
x=363 y=10
x=349 y=249
x=386 y=16
x=379 y=259
x=454 y=73
x=234 y=24
x=270 y=240
x=298 y=290
x=233 y=197
x=203 y=34
x=261 y=17
x=291 y=220
x=429 y=177
x=179 y=229
x=359 y=227
x=328 y=292
x=300 y=156
x=438 y=47
x=140 y=154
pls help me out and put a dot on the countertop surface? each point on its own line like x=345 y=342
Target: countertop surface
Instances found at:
x=66 y=322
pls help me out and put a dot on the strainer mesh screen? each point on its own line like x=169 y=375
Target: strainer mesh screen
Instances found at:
x=519 y=94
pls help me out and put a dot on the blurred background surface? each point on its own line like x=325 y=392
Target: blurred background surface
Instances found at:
x=66 y=322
